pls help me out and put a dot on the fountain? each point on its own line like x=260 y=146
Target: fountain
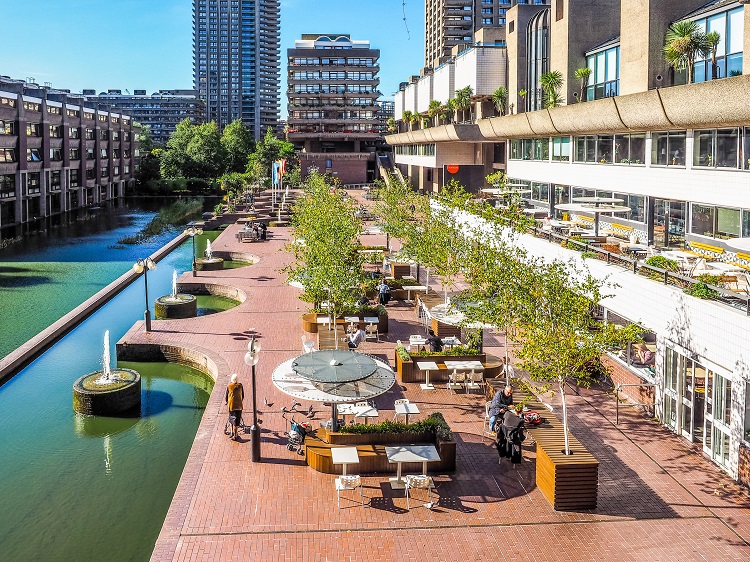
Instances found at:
x=176 y=305
x=108 y=391
x=209 y=262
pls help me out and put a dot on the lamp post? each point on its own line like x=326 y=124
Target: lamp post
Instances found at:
x=143 y=266
x=192 y=231
x=251 y=358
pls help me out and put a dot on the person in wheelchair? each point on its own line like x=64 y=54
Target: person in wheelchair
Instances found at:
x=501 y=403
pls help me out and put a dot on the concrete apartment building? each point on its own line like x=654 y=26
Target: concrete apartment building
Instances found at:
x=58 y=154
x=160 y=111
x=676 y=154
x=236 y=61
x=333 y=115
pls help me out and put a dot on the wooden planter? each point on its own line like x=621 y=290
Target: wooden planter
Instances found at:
x=353 y=439
x=398 y=270
x=408 y=372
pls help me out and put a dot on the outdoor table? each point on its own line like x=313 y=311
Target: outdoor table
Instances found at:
x=427 y=366
x=406 y=408
x=465 y=365
x=352 y=320
x=419 y=341
x=635 y=250
x=372 y=319
x=345 y=410
x=678 y=254
x=365 y=412
x=451 y=341
x=410 y=288
x=344 y=456
x=410 y=453
x=409 y=277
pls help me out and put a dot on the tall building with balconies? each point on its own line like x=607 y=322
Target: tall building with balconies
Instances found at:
x=58 y=153
x=333 y=115
x=236 y=61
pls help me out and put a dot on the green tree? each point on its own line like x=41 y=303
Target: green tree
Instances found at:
x=392 y=127
x=583 y=74
x=551 y=82
x=434 y=110
x=327 y=237
x=238 y=144
x=500 y=99
x=406 y=118
x=463 y=100
x=150 y=168
x=174 y=161
x=268 y=151
x=206 y=155
x=684 y=43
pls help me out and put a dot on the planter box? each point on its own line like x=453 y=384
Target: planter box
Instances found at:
x=353 y=439
x=398 y=270
x=408 y=372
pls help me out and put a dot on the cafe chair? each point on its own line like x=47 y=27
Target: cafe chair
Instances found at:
x=419 y=482
x=474 y=381
x=456 y=380
x=349 y=482
x=486 y=429
x=371 y=332
x=399 y=401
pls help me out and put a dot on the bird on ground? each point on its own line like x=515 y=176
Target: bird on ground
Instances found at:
x=310 y=412
x=267 y=403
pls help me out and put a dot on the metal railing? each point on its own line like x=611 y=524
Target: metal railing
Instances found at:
x=658 y=274
x=618 y=388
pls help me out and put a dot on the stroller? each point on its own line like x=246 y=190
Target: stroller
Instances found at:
x=511 y=433
x=231 y=421
x=296 y=434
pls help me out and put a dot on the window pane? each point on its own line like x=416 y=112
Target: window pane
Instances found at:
x=718 y=23
x=746 y=234
x=703 y=142
x=677 y=149
x=734 y=64
x=580 y=149
x=638 y=149
x=612 y=73
x=590 y=149
x=622 y=155
x=702 y=219
x=736 y=31
x=727 y=223
x=637 y=205
x=726 y=148
x=600 y=68
x=659 y=149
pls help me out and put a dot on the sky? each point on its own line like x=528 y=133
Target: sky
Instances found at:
x=148 y=44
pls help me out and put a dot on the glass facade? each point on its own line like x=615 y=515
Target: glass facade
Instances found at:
x=604 y=81
x=717 y=148
x=730 y=27
x=537 y=49
x=668 y=149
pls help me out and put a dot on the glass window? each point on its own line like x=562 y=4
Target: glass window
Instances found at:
x=515 y=149
x=604 y=147
x=605 y=74
x=668 y=149
x=727 y=223
x=702 y=219
x=728 y=61
x=727 y=145
x=561 y=149
x=580 y=149
x=703 y=148
x=717 y=148
x=541 y=149
x=746 y=224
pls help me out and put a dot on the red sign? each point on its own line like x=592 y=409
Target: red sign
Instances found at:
x=452 y=168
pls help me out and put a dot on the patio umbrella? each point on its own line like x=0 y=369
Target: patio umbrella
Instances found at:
x=595 y=209
x=337 y=376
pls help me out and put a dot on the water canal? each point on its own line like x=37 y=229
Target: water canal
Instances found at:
x=73 y=487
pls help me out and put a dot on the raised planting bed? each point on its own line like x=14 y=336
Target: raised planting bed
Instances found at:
x=408 y=372
x=310 y=324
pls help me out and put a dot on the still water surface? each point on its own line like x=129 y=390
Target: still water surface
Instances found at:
x=75 y=487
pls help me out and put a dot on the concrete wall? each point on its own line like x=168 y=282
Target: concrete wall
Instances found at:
x=577 y=26
x=348 y=168
x=424 y=93
x=644 y=27
x=443 y=86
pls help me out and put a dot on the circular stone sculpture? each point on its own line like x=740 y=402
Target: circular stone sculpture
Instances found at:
x=209 y=264
x=176 y=306
x=95 y=397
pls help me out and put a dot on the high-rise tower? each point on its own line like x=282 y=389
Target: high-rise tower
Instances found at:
x=236 y=61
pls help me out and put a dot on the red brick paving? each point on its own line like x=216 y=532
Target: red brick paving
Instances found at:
x=658 y=498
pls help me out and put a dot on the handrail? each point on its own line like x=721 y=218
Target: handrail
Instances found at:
x=617 y=398
x=669 y=277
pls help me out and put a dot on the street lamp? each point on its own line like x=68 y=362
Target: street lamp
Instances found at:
x=143 y=266
x=192 y=231
x=251 y=358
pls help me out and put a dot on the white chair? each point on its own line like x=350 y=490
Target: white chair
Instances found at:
x=419 y=482
x=399 y=401
x=365 y=405
x=474 y=381
x=371 y=331
x=349 y=482
x=486 y=429
x=456 y=380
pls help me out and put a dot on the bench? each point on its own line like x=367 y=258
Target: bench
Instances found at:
x=705 y=249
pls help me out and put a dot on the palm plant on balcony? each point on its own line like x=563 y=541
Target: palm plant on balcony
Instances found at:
x=463 y=100
x=392 y=127
x=684 y=43
x=713 y=38
x=551 y=82
x=434 y=110
x=500 y=99
x=583 y=74
x=406 y=118
x=448 y=110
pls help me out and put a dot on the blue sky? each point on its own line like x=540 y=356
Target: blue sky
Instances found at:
x=147 y=44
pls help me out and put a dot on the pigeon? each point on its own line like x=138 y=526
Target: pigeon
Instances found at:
x=267 y=403
x=295 y=404
x=310 y=412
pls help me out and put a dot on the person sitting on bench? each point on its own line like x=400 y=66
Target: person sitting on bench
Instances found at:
x=356 y=338
x=501 y=403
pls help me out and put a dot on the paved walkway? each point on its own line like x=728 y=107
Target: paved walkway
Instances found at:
x=658 y=498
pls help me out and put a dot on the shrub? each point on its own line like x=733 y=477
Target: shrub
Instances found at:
x=434 y=423
x=589 y=254
x=458 y=350
x=663 y=263
x=402 y=353
x=702 y=291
